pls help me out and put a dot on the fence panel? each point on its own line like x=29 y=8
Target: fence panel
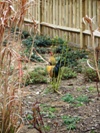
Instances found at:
x=63 y=18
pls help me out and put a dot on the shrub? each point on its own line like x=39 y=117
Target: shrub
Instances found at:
x=25 y=34
x=42 y=41
x=90 y=75
x=38 y=75
x=68 y=73
x=57 y=40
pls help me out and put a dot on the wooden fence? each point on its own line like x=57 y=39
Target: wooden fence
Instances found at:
x=63 y=18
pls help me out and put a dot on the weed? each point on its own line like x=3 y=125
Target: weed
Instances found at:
x=70 y=121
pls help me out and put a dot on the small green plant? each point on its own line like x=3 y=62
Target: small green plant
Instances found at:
x=92 y=89
x=47 y=128
x=79 y=89
x=38 y=75
x=82 y=99
x=70 y=121
x=78 y=101
x=48 y=111
x=29 y=117
x=68 y=98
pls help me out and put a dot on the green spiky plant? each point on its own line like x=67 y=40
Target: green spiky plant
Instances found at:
x=11 y=79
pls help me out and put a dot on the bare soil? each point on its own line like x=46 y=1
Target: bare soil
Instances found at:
x=89 y=113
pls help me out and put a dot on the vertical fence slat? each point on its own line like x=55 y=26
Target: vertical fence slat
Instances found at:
x=67 y=13
x=81 y=26
x=98 y=13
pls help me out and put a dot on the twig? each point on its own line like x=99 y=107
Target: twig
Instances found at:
x=41 y=56
x=90 y=65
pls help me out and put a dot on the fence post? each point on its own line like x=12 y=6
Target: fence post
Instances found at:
x=81 y=24
x=39 y=18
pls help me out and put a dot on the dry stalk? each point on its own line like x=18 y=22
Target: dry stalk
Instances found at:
x=11 y=72
x=90 y=22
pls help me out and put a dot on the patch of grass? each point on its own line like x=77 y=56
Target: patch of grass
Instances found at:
x=38 y=75
x=70 y=121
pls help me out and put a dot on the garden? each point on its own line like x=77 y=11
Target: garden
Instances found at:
x=33 y=99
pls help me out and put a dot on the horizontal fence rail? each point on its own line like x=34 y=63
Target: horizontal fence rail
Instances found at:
x=63 y=18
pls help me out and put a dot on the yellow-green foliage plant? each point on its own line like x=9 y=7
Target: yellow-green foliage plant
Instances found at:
x=97 y=31
x=11 y=71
